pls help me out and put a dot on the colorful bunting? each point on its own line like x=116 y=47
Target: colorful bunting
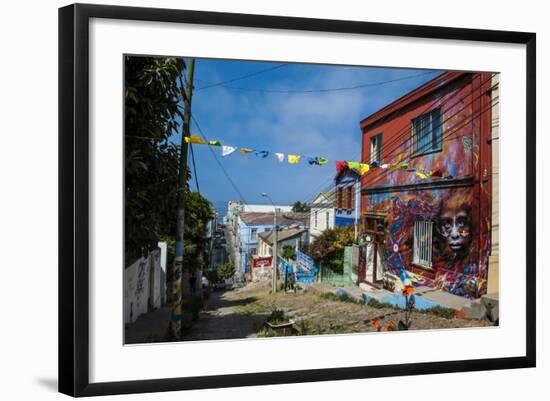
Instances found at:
x=194 y=139
x=227 y=150
x=316 y=161
x=363 y=168
x=341 y=166
x=437 y=173
x=262 y=153
x=360 y=168
x=294 y=159
x=353 y=165
x=403 y=166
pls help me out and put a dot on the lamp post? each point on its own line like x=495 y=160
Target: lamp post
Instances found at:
x=274 y=269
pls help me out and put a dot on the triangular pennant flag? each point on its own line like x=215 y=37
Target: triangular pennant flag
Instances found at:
x=262 y=153
x=246 y=150
x=214 y=143
x=313 y=161
x=385 y=166
x=421 y=175
x=227 y=150
x=341 y=166
x=353 y=165
x=194 y=139
x=436 y=173
x=395 y=164
x=280 y=156
x=404 y=166
x=294 y=159
x=375 y=163
x=363 y=168
x=323 y=160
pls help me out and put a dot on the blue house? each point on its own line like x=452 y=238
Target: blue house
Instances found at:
x=348 y=192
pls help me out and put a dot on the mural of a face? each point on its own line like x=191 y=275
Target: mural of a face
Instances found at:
x=455 y=223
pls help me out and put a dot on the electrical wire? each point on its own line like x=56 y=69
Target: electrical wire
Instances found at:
x=223 y=83
x=323 y=90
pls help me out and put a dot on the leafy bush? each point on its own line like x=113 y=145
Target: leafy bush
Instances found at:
x=328 y=248
x=277 y=316
x=226 y=270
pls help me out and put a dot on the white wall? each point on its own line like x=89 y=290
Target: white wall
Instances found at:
x=143 y=280
x=28 y=162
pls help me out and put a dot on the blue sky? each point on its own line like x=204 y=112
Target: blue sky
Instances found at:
x=313 y=124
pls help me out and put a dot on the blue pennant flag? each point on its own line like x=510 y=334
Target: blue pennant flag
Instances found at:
x=262 y=153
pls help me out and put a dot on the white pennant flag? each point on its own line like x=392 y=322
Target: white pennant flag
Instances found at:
x=385 y=165
x=227 y=150
x=280 y=156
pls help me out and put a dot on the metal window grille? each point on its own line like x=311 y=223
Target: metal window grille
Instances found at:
x=426 y=132
x=254 y=234
x=422 y=247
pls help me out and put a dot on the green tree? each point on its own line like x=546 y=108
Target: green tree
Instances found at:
x=328 y=248
x=226 y=270
x=289 y=252
x=151 y=99
x=299 y=207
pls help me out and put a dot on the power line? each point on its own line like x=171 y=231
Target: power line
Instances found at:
x=405 y=130
x=452 y=131
x=218 y=161
x=322 y=90
x=195 y=168
x=214 y=84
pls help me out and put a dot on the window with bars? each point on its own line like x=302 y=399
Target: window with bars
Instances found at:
x=376 y=149
x=254 y=234
x=422 y=244
x=426 y=132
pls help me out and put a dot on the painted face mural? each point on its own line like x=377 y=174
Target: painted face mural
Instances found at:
x=454 y=224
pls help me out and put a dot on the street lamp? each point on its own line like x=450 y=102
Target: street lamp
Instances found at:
x=274 y=269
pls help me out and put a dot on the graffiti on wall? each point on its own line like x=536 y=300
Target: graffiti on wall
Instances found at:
x=459 y=260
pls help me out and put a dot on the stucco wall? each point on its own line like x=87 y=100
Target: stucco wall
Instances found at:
x=144 y=286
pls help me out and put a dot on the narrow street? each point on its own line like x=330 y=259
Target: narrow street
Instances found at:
x=225 y=317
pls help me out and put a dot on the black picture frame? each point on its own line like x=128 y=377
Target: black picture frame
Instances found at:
x=74 y=198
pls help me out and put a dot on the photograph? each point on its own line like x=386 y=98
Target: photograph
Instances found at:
x=271 y=199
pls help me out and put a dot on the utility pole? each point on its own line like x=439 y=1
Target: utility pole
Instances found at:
x=178 y=282
x=275 y=259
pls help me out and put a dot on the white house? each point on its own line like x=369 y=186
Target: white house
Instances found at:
x=322 y=213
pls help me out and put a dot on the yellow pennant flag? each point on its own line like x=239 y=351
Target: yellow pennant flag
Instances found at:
x=246 y=150
x=194 y=139
x=421 y=175
x=294 y=159
x=363 y=168
x=395 y=164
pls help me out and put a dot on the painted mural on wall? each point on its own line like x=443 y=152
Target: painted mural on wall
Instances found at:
x=457 y=203
x=459 y=259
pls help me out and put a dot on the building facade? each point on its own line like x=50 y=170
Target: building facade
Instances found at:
x=426 y=207
x=322 y=213
x=348 y=190
x=251 y=224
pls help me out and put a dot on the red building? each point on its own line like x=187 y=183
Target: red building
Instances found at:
x=426 y=208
